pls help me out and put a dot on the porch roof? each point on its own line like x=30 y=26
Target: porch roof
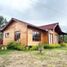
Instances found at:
x=55 y=27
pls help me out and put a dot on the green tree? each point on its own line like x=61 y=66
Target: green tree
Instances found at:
x=65 y=38
x=2 y=21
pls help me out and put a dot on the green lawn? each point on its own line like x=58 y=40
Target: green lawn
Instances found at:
x=49 y=58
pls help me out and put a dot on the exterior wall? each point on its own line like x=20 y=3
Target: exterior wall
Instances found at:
x=26 y=35
x=15 y=26
x=53 y=37
x=44 y=37
x=30 y=41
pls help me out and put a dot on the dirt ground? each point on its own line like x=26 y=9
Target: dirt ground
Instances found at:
x=49 y=58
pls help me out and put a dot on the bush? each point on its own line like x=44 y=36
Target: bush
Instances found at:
x=34 y=48
x=63 y=44
x=0 y=47
x=15 y=46
x=51 y=46
x=29 y=47
x=11 y=45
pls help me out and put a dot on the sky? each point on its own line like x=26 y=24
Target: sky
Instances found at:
x=37 y=12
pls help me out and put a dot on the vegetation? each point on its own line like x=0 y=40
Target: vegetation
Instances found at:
x=65 y=38
x=34 y=48
x=52 y=56
x=15 y=46
x=51 y=46
x=3 y=21
x=39 y=47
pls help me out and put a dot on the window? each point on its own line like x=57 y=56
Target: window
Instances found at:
x=36 y=36
x=6 y=35
x=17 y=35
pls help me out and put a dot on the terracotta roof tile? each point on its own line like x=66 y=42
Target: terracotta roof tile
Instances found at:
x=49 y=26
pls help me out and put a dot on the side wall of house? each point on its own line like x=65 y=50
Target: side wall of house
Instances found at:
x=55 y=38
x=11 y=29
x=44 y=37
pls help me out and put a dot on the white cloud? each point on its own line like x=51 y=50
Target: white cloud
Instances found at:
x=19 y=5
x=37 y=12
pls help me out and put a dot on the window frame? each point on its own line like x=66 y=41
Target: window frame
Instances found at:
x=18 y=36
x=6 y=34
x=36 y=38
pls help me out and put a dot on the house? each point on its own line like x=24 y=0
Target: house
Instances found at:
x=23 y=32
x=29 y=34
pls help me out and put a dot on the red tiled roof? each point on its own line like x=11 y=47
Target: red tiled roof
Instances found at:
x=49 y=26
x=54 y=26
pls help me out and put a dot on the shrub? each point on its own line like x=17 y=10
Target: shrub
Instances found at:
x=29 y=47
x=15 y=46
x=0 y=47
x=34 y=48
x=51 y=46
x=20 y=47
x=63 y=44
x=11 y=45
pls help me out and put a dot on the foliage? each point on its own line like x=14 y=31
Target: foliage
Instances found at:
x=2 y=21
x=1 y=35
x=34 y=48
x=50 y=46
x=18 y=46
x=63 y=44
x=65 y=38
x=15 y=46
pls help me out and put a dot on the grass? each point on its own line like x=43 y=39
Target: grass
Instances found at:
x=4 y=53
x=56 y=57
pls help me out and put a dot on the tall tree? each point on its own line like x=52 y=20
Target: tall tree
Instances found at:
x=65 y=38
x=2 y=21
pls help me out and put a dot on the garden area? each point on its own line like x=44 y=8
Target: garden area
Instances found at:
x=14 y=55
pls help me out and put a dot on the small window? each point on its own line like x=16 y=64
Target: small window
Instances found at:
x=17 y=35
x=6 y=35
x=36 y=36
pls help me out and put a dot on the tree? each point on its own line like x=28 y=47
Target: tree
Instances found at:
x=2 y=24
x=65 y=38
x=2 y=21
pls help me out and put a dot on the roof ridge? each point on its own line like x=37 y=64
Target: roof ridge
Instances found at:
x=28 y=24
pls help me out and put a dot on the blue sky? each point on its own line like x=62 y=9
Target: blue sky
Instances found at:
x=37 y=12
